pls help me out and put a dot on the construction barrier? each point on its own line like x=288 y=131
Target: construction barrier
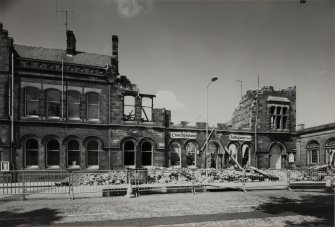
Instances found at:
x=136 y=182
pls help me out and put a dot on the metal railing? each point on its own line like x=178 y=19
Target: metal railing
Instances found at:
x=156 y=180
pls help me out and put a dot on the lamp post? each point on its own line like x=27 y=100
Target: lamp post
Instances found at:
x=240 y=81
x=212 y=80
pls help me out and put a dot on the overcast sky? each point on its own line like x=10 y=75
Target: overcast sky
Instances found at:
x=173 y=48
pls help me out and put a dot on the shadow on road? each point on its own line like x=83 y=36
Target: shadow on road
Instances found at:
x=43 y=216
x=318 y=206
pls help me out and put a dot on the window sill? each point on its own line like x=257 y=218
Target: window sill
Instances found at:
x=31 y=167
x=53 y=118
x=52 y=167
x=33 y=117
x=130 y=167
x=93 y=167
x=74 y=119
x=73 y=167
x=93 y=120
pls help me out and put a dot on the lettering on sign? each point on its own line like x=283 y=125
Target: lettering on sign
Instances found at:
x=183 y=135
x=235 y=137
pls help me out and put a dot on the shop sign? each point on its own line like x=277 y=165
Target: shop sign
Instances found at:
x=183 y=135
x=235 y=137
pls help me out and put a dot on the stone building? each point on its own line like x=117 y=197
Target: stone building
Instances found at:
x=73 y=110
x=316 y=145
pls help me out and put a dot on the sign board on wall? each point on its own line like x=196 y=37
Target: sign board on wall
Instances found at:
x=4 y=165
x=235 y=137
x=183 y=135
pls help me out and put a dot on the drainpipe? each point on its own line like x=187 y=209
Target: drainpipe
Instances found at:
x=12 y=114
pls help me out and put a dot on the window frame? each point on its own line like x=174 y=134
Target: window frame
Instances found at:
x=313 y=147
x=279 y=115
x=73 y=103
x=330 y=147
x=25 y=154
x=26 y=102
x=196 y=147
x=179 y=153
x=89 y=105
x=131 y=107
x=151 y=154
x=129 y=151
x=55 y=102
x=72 y=150
x=145 y=107
x=97 y=151
x=47 y=155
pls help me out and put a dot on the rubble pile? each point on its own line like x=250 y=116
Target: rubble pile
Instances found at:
x=109 y=178
x=173 y=176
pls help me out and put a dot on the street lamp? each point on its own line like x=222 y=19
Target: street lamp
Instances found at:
x=212 y=80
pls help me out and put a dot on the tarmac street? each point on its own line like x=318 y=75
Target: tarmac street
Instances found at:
x=225 y=208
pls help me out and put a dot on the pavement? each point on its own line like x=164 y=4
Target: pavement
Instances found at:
x=225 y=208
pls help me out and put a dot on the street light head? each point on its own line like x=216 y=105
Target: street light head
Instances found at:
x=214 y=79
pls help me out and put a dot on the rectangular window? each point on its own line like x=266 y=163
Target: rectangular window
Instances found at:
x=314 y=157
x=32 y=102
x=93 y=106
x=129 y=108
x=146 y=109
x=73 y=104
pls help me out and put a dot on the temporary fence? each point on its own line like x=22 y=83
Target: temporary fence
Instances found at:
x=156 y=180
x=34 y=182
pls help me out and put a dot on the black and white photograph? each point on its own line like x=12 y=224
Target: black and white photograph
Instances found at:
x=167 y=113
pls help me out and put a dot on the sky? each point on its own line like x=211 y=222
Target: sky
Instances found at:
x=173 y=48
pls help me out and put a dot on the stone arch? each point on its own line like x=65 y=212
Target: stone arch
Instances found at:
x=175 y=152
x=129 y=152
x=24 y=138
x=147 y=146
x=247 y=154
x=330 y=151
x=277 y=155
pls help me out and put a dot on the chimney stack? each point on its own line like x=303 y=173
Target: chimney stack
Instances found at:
x=115 y=54
x=71 y=43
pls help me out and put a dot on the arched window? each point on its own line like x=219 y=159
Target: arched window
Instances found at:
x=233 y=150
x=73 y=153
x=73 y=104
x=175 y=154
x=92 y=153
x=31 y=101
x=31 y=153
x=147 y=154
x=129 y=108
x=52 y=153
x=53 y=103
x=330 y=152
x=191 y=150
x=313 y=149
x=93 y=106
x=129 y=153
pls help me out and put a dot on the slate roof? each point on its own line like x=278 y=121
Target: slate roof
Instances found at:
x=50 y=54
